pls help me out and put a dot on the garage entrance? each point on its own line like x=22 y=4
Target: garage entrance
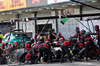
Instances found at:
x=45 y=31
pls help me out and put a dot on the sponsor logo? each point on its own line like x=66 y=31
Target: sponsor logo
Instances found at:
x=34 y=1
x=55 y=0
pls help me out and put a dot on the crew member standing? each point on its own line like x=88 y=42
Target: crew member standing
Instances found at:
x=77 y=35
x=97 y=36
x=52 y=35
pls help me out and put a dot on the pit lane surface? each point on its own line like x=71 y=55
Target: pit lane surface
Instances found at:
x=78 y=63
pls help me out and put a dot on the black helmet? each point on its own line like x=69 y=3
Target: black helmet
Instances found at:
x=83 y=32
x=87 y=35
x=96 y=28
x=41 y=39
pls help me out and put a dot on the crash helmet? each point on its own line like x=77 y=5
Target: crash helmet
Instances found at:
x=33 y=44
x=35 y=48
x=38 y=37
x=71 y=37
x=87 y=35
x=61 y=40
x=82 y=32
x=3 y=44
x=15 y=43
x=96 y=28
x=10 y=46
x=77 y=29
x=41 y=39
x=47 y=42
x=59 y=34
x=35 y=37
x=32 y=39
x=66 y=43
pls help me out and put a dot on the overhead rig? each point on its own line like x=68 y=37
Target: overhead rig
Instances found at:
x=53 y=17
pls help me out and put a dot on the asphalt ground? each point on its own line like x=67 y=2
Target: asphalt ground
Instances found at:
x=74 y=63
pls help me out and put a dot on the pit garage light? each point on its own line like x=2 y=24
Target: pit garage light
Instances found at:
x=19 y=11
x=69 y=3
x=30 y=10
x=48 y=8
x=73 y=4
x=40 y=9
x=94 y=1
x=52 y=8
x=64 y=5
x=26 y=11
x=3 y=13
x=78 y=3
x=10 y=13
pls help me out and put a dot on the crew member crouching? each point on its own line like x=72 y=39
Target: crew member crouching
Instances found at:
x=32 y=55
x=2 y=57
x=44 y=48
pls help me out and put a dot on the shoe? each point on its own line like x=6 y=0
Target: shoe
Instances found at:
x=69 y=61
x=35 y=62
x=97 y=59
x=61 y=62
x=49 y=61
x=85 y=59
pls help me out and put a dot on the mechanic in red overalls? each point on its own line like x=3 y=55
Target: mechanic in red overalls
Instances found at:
x=32 y=55
x=90 y=44
x=44 y=48
x=79 y=45
x=2 y=57
x=97 y=34
x=65 y=50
